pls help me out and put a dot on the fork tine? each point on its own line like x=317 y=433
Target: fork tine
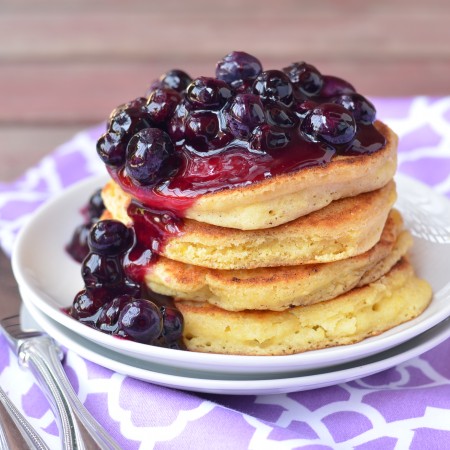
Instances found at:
x=13 y=323
x=6 y=321
x=14 y=332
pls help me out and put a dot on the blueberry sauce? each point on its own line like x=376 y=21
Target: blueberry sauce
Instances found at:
x=114 y=299
x=78 y=246
x=242 y=127
x=191 y=137
x=201 y=174
x=152 y=228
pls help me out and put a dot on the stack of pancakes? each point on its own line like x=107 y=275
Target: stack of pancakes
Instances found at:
x=301 y=261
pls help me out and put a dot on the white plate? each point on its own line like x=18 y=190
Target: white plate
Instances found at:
x=235 y=384
x=51 y=279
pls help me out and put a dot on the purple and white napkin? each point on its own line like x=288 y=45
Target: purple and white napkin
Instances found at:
x=407 y=406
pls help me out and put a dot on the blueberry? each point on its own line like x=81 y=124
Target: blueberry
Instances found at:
x=329 y=123
x=201 y=129
x=237 y=67
x=363 y=111
x=109 y=315
x=175 y=79
x=208 y=93
x=111 y=149
x=266 y=138
x=95 y=207
x=110 y=238
x=104 y=277
x=274 y=85
x=156 y=84
x=245 y=112
x=101 y=272
x=147 y=153
x=243 y=87
x=86 y=305
x=177 y=124
x=141 y=320
x=128 y=122
x=305 y=77
x=247 y=109
x=172 y=324
x=279 y=115
x=222 y=139
x=136 y=104
x=303 y=107
x=333 y=86
x=161 y=104
x=78 y=247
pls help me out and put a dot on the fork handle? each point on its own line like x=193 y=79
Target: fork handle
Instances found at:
x=79 y=429
x=17 y=431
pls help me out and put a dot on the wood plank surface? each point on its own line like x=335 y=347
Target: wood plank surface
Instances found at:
x=22 y=146
x=334 y=33
x=86 y=93
x=65 y=63
x=131 y=36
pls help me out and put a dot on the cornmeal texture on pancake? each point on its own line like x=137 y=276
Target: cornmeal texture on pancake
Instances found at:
x=366 y=311
x=344 y=228
x=283 y=198
x=278 y=288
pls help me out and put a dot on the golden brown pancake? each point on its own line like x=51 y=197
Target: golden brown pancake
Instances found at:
x=286 y=197
x=278 y=288
x=345 y=228
x=366 y=311
x=308 y=259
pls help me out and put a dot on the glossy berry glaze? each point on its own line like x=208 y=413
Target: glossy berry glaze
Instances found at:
x=78 y=246
x=188 y=138
x=114 y=300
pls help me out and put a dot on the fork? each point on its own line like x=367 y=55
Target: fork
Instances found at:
x=39 y=352
x=16 y=432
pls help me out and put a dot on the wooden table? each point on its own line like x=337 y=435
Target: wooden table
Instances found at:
x=65 y=64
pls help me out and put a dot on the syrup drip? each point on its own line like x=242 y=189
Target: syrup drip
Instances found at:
x=368 y=140
x=152 y=229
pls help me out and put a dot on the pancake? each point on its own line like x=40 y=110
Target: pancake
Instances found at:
x=285 y=197
x=261 y=254
x=278 y=288
x=343 y=229
x=365 y=311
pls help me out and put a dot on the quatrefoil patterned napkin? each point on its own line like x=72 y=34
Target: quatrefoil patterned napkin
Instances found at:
x=407 y=406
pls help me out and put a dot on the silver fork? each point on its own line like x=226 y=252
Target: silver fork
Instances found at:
x=16 y=431
x=40 y=353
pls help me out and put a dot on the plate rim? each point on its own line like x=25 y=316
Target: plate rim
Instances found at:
x=271 y=363
x=327 y=377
